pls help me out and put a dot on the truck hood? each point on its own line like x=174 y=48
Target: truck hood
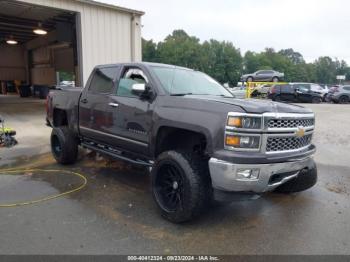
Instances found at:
x=254 y=105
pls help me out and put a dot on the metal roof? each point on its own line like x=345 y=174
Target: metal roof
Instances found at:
x=115 y=7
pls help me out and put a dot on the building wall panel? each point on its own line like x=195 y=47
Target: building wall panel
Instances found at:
x=106 y=33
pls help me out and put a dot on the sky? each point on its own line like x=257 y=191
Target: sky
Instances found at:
x=312 y=27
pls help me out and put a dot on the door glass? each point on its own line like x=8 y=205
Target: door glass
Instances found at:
x=130 y=77
x=288 y=89
x=304 y=87
x=102 y=81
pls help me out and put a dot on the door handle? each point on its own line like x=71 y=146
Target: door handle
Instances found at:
x=84 y=101
x=113 y=104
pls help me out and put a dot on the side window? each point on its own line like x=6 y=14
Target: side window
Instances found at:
x=347 y=88
x=288 y=89
x=304 y=87
x=130 y=77
x=102 y=80
x=316 y=88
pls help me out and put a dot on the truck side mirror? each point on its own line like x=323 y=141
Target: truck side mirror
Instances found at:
x=138 y=89
x=144 y=91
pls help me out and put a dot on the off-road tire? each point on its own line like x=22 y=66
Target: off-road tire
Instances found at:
x=195 y=190
x=306 y=179
x=64 y=145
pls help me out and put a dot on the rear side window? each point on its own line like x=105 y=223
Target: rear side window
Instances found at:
x=102 y=80
x=288 y=89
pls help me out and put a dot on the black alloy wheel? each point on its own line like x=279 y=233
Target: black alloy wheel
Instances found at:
x=169 y=187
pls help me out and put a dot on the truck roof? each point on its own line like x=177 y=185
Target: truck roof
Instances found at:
x=142 y=63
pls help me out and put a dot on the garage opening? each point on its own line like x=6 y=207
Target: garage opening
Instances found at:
x=38 y=49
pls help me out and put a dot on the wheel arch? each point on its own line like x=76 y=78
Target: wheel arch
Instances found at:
x=168 y=137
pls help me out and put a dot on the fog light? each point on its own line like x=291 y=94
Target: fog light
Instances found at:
x=247 y=173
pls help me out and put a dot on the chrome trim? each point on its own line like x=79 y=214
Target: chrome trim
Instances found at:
x=113 y=104
x=114 y=136
x=224 y=174
x=244 y=129
x=242 y=149
x=266 y=132
x=310 y=132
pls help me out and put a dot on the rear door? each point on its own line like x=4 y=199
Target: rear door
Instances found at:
x=93 y=116
x=287 y=93
x=129 y=114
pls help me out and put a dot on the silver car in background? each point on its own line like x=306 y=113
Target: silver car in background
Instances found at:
x=340 y=94
x=263 y=75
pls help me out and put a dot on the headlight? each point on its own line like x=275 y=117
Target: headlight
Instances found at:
x=247 y=122
x=242 y=141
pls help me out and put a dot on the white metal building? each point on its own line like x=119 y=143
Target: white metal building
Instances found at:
x=79 y=35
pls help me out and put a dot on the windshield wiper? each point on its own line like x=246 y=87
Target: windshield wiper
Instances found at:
x=181 y=94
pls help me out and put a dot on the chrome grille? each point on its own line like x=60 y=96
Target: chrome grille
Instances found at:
x=284 y=143
x=290 y=123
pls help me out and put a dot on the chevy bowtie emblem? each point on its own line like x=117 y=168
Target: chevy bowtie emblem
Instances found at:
x=300 y=131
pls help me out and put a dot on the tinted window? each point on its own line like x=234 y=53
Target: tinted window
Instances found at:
x=183 y=81
x=102 y=80
x=130 y=77
x=347 y=88
x=303 y=87
x=265 y=72
x=287 y=89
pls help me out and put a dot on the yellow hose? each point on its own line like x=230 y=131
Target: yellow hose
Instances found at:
x=2 y=171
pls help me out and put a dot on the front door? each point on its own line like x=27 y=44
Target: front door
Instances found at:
x=130 y=114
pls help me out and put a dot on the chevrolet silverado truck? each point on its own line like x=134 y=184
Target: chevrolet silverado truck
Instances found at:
x=200 y=143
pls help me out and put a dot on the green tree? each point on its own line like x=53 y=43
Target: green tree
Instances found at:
x=149 y=50
x=325 y=70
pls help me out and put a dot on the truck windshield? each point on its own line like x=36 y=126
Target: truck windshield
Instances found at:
x=178 y=81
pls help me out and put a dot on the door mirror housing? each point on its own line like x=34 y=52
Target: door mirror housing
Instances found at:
x=138 y=89
x=144 y=91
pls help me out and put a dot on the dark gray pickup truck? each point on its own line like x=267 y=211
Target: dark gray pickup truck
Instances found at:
x=200 y=143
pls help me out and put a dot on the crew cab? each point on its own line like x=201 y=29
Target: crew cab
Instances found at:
x=200 y=143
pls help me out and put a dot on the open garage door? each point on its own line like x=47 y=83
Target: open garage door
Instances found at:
x=38 y=48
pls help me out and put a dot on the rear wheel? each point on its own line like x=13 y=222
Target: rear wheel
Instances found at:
x=249 y=79
x=64 y=145
x=180 y=185
x=275 y=79
x=344 y=99
x=316 y=100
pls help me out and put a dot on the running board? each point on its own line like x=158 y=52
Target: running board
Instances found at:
x=114 y=153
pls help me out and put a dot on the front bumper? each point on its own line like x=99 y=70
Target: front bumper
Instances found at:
x=224 y=174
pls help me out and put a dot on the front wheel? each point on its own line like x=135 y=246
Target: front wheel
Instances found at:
x=180 y=185
x=344 y=99
x=64 y=145
x=316 y=100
